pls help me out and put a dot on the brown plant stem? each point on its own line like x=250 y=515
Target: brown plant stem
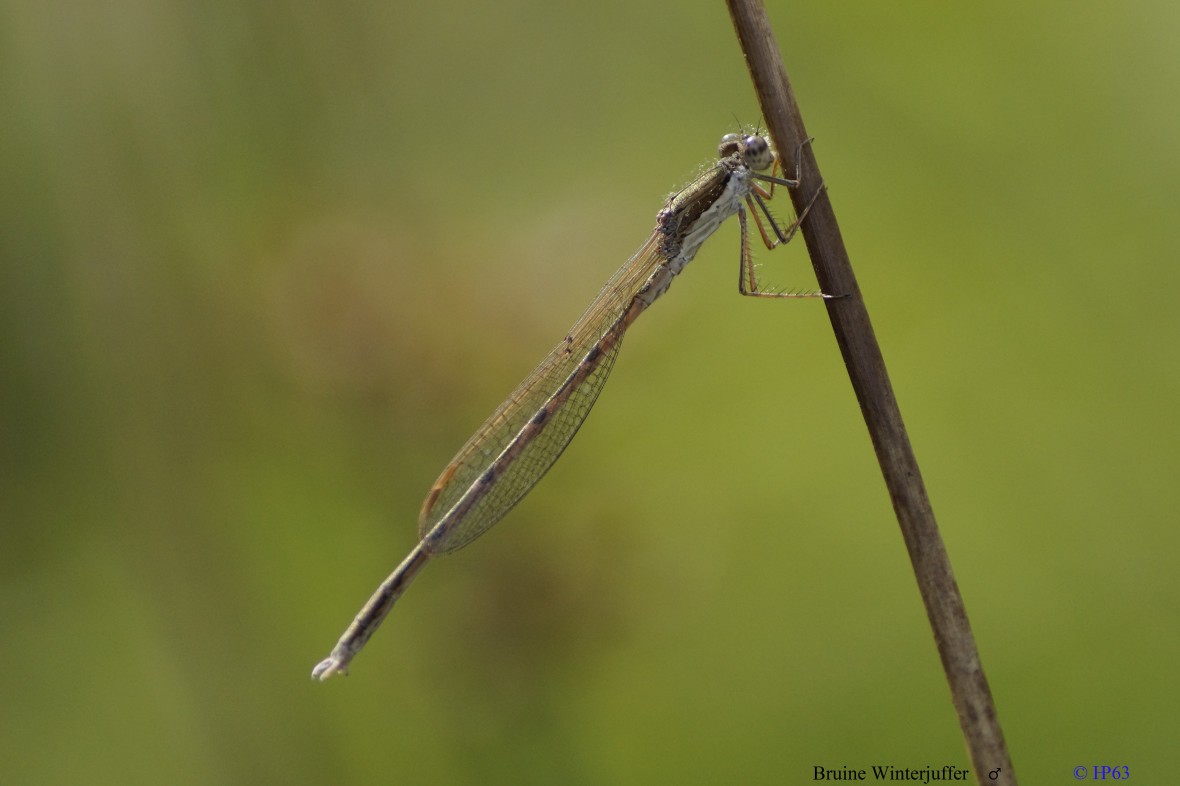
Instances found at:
x=866 y=369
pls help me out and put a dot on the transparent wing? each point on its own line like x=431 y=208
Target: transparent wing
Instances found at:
x=530 y=397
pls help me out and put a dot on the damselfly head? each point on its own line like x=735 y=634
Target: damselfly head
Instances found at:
x=754 y=150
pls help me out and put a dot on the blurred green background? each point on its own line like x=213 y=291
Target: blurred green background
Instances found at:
x=265 y=266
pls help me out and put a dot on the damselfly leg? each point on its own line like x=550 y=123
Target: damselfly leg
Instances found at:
x=756 y=202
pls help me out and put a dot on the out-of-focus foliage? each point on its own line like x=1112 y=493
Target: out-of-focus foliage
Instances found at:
x=264 y=266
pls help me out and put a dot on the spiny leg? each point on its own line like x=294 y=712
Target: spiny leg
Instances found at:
x=747 y=280
x=760 y=194
x=781 y=237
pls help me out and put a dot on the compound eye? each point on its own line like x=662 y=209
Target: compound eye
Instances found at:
x=756 y=152
x=730 y=144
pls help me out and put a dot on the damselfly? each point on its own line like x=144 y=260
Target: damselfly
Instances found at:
x=524 y=437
